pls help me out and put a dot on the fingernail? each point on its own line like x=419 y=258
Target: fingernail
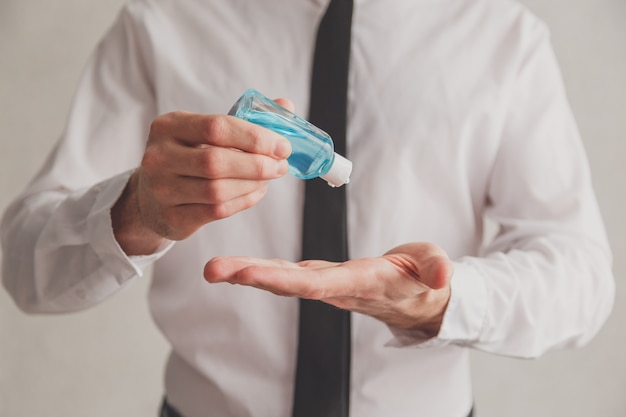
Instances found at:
x=282 y=149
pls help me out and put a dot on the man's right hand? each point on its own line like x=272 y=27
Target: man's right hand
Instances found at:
x=196 y=169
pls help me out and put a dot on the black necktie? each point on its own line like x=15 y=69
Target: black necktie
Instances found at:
x=323 y=369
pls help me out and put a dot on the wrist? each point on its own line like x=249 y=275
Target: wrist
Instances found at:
x=129 y=229
x=438 y=302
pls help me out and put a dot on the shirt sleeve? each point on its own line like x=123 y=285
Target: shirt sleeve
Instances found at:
x=545 y=281
x=59 y=252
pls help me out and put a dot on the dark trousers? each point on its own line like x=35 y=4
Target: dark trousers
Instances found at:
x=168 y=411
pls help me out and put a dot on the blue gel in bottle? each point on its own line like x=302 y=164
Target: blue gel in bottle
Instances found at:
x=312 y=149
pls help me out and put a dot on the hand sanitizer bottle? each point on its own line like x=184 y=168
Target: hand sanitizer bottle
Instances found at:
x=312 y=149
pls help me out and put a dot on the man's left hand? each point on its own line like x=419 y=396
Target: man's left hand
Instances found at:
x=406 y=288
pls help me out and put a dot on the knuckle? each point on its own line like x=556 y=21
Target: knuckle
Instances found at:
x=212 y=162
x=156 y=127
x=215 y=128
x=216 y=193
x=256 y=138
x=253 y=198
x=219 y=211
x=153 y=160
x=162 y=123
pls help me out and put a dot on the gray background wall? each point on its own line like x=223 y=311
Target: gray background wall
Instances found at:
x=108 y=361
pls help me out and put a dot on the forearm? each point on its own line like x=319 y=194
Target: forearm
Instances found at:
x=59 y=253
x=547 y=293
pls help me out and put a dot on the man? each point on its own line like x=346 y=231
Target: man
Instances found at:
x=456 y=112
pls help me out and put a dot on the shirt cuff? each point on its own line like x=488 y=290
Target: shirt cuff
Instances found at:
x=464 y=316
x=103 y=239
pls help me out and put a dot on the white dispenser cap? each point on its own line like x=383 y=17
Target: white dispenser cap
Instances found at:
x=339 y=172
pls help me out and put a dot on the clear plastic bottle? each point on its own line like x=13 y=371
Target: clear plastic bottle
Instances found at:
x=312 y=149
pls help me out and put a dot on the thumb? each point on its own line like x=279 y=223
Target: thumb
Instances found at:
x=437 y=272
x=286 y=103
x=427 y=261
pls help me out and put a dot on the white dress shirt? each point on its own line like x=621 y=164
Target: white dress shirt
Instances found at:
x=457 y=112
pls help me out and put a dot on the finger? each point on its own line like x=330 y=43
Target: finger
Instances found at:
x=295 y=282
x=317 y=264
x=221 y=130
x=225 y=268
x=244 y=271
x=220 y=163
x=189 y=217
x=191 y=190
x=212 y=162
x=279 y=277
x=286 y=103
